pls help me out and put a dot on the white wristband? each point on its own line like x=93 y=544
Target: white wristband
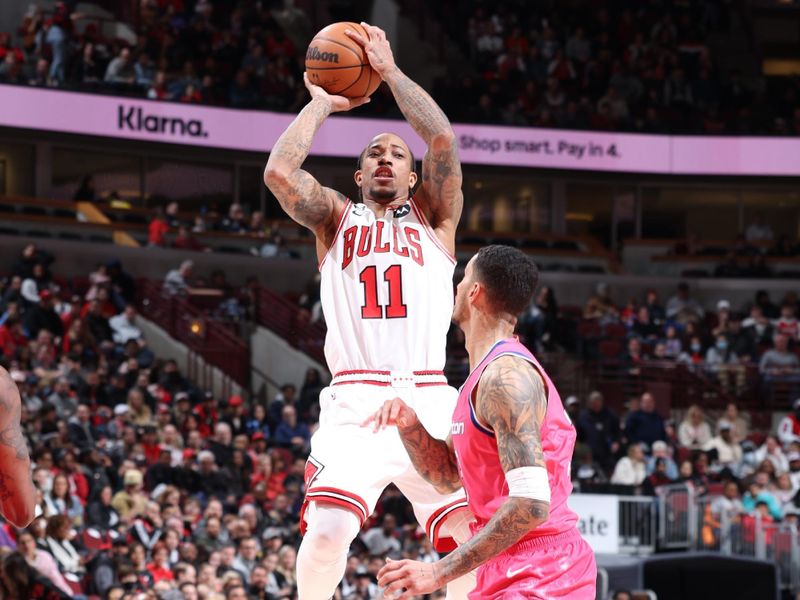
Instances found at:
x=529 y=482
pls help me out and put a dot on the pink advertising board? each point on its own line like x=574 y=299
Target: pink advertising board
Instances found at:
x=346 y=136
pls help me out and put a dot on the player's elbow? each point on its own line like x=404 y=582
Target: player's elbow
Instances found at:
x=19 y=514
x=443 y=141
x=275 y=177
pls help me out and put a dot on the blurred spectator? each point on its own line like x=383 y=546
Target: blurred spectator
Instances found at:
x=20 y=580
x=758 y=230
x=185 y=240
x=43 y=316
x=645 y=425
x=721 y=361
x=58 y=544
x=660 y=452
x=124 y=326
x=740 y=426
x=779 y=364
x=381 y=541
x=729 y=452
x=598 y=427
x=682 y=308
x=787 y=323
x=631 y=469
x=175 y=282
x=728 y=503
x=289 y=432
x=157 y=229
x=789 y=427
x=42 y=561
x=86 y=191
x=120 y=69
x=694 y=432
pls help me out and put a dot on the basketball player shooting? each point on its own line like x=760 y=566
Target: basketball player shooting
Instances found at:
x=17 y=494
x=386 y=263
x=510 y=446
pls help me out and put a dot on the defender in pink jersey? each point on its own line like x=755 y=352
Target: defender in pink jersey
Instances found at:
x=510 y=445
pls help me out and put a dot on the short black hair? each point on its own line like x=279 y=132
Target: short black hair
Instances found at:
x=509 y=275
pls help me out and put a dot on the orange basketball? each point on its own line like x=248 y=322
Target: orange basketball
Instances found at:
x=339 y=64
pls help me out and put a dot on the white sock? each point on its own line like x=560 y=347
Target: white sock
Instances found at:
x=322 y=558
x=457 y=526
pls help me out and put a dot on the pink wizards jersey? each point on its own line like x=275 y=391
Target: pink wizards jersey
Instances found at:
x=386 y=292
x=479 y=463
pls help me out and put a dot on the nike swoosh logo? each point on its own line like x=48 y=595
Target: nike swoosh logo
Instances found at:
x=510 y=574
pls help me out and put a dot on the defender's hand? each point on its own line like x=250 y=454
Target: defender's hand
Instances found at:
x=377 y=47
x=337 y=103
x=393 y=412
x=410 y=577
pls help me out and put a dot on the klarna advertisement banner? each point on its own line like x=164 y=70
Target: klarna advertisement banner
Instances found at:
x=346 y=136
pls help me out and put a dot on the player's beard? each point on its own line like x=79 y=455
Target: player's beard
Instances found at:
x=383 y=195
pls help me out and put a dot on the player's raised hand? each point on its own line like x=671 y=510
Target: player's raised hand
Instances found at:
x=377 y=47
x=337 y=103
x=393 y=412
x=410 y=577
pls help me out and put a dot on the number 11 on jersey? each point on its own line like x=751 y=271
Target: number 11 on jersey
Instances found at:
x=371 y=309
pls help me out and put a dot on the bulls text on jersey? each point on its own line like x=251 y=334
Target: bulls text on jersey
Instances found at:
x=361 y=240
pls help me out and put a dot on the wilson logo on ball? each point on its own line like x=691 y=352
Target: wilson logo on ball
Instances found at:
x=314 y=54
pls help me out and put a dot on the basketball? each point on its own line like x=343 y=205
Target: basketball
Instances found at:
x=338 y=64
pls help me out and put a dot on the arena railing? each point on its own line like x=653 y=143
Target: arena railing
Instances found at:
x=203 y=336
x=289 y=321
x=687 y=522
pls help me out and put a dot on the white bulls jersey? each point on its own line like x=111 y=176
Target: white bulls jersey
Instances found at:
x=386 y=292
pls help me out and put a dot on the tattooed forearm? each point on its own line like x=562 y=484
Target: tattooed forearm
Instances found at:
x=300 y=195
x=514 y=518
x=512 y=400
x=432 y=458
x=294 y=144
x=419 y=109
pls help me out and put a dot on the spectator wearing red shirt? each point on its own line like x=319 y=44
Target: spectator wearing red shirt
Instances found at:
x=157 y=229
x=12 y=337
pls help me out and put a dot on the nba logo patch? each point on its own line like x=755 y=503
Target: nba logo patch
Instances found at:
x=402 y=211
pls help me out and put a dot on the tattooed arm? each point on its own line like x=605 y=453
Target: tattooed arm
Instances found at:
x=434 y=459
x=512 y=401
x=301 y=195
x=440 y=194
x=17 y=494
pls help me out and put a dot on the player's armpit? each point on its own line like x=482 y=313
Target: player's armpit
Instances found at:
x=17 y=494
x=512 y=401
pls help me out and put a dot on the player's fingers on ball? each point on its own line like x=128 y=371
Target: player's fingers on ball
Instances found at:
x=356 y=37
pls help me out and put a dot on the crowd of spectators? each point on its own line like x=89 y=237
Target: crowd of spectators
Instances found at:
x=185 y=52
x=720 y=457
x=752 y=347
x=149 y=487
x=622 y=66
x=268 y=242
x=627 y=66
